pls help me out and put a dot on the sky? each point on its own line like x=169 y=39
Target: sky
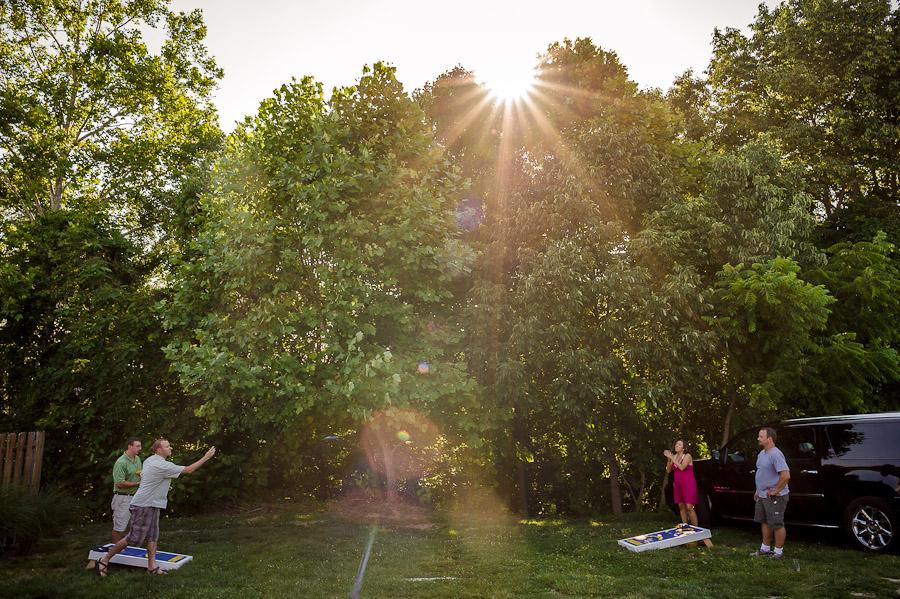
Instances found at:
x=262 y=44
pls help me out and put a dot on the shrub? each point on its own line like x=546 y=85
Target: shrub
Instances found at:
x=26 y=517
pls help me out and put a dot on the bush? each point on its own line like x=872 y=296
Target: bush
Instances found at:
x=26 y=517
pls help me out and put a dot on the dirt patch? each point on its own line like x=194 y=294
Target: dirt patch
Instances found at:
x=256 y=510
x=365 y=509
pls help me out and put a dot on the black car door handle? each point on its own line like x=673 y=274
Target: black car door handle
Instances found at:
x=809 y=472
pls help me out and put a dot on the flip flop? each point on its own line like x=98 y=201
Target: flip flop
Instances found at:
x=156 y=570
x=101 y=568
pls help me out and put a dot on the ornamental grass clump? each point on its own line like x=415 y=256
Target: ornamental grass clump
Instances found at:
x=27 y=517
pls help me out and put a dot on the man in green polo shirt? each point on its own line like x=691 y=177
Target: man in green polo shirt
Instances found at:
x=126 y=479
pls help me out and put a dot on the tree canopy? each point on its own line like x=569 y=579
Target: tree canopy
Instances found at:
x=320 y=279
x=431 y=291
x=92 y=119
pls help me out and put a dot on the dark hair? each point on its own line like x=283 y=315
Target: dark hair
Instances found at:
x=157 y=444
x=771 y=433
x=131 y=441
x=683 y=442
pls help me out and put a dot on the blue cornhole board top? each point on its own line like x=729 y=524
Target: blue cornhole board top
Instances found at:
x=669 y=537
x=135 y=556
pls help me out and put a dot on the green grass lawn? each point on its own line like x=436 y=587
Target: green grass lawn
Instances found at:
x=312 y=550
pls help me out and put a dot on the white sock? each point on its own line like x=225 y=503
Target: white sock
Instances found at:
x=779 y=550
x=765 y=548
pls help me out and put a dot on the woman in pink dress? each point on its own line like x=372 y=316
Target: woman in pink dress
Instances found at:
x=681 y=464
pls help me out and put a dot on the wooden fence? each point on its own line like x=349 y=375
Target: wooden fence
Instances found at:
x=20 y=459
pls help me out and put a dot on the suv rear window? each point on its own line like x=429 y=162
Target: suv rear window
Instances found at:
x=865 y=440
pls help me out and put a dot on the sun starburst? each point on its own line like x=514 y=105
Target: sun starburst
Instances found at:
x=507 y=81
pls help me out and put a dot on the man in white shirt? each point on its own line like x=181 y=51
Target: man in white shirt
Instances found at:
x=150 y=498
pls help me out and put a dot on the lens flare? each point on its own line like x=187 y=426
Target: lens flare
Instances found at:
x=469 y=214
x=403 y=436
x=423 y=368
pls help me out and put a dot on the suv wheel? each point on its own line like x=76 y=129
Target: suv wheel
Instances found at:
x=871 y=524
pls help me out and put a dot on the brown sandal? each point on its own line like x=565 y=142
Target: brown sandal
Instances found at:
x=156 y=570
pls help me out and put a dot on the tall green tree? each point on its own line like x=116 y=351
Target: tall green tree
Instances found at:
x=104 y=145
x=821 y=78
x=560 y=310
x=92 y=119
x=80 y=348
x=749 y=208
x=320 y=278
x=818 y=81
x=859 y=369
x=766 y=318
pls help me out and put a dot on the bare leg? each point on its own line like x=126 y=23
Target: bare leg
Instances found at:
x=116 y=536
x=103 y=562
x=767 y=534
x=692 y=513
x=780 y=535
x=683 y=511
x=151 y=558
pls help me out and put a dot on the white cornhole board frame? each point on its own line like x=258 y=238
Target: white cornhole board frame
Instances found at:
x=669 y=537
x=135 y=556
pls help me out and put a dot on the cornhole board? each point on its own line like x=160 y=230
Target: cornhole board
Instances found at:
x=135 y=556
x=668 y=538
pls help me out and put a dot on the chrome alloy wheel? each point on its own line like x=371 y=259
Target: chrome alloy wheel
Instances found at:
x=871 y=527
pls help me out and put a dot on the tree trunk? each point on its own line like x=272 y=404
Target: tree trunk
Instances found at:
x=661 y=502
x=615 y=493
x=56 y=194
x=521 y=474
x=665 y=481
x=732 y=405
x=639 y=500
x=389 y=473
x=638 y=495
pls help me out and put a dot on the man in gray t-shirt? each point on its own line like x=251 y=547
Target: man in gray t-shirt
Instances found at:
x=772 y=494
x=152 y=496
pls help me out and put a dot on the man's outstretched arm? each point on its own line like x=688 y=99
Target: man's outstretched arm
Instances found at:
x=200 y=462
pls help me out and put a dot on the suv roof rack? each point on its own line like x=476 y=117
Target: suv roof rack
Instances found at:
x=850 y=417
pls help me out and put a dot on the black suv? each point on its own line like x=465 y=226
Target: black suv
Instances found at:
x=844 y=473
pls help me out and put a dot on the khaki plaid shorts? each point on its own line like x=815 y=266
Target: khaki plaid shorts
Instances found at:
x=144 y=525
